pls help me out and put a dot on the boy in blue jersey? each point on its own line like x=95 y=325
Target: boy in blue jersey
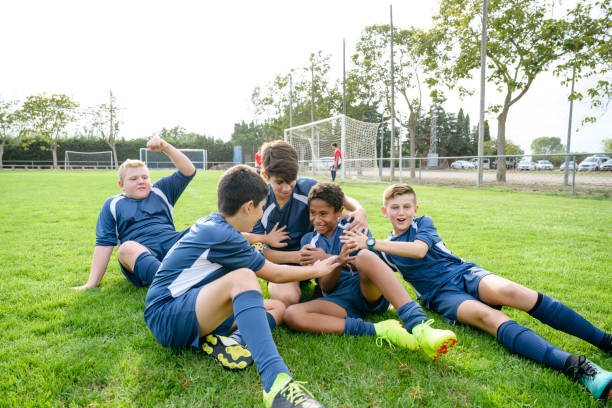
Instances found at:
x=349 y=293
x=140 y=219
x=285 y=219
x=209 y=278
x=462 y=291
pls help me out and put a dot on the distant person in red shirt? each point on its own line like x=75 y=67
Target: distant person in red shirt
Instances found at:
x=258 y=161
x=337 y=161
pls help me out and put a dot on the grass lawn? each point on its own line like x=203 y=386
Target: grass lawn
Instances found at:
x=60 y=347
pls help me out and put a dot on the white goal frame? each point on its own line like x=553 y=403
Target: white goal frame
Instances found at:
x=357 y=142
x=167 y=163
x=67 y=158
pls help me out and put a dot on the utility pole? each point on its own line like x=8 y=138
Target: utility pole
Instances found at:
x=483 y=66
x=392 y=96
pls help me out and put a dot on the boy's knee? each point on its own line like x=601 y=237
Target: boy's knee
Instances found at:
x=293 y=316
x=242 y=280
x=129 y=251
x=288 y=296
x=276 y=308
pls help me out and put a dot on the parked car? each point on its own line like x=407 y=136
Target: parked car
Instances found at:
x=324 y=163
x=526 y=165
x=591 y=163
x=462 y=164
x=485 y=163
x=571 y=165
x=544 y=165
x=607 y=165
x=510 y=164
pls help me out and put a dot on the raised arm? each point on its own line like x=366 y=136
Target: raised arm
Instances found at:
x=99 y=262
x=181 y=162
x=356 y=213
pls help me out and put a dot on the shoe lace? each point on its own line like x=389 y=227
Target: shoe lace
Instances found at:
x=582 y=368
x=380 y=341
x=295 y=392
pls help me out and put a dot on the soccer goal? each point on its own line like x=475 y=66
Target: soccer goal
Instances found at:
x=356 y=139
x=159 y=160
x=88 y=160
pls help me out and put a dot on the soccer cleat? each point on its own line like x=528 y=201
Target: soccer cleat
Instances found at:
x=394 y=333
x=595 y=379
x=606 y=343
x=228 y=353
x=433 y=342
x=286 y=393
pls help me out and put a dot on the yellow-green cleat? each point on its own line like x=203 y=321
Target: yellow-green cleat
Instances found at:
x=286 y=393
x=394 y=333
x=433 y=342
x=228 y=353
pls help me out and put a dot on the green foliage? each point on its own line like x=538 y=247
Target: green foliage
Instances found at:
x=490 y=148
x=607 y=145
x=62 y=348
x=547 y=145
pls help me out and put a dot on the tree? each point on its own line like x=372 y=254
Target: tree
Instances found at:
x=46 y=118
x=490 y=148
x=522 y=43
x=607 y=145
x=7 y=124
x=104 y=119
x=547 y=145
x=250 y=136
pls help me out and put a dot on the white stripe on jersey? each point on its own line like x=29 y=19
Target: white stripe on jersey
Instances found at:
x=163 y=197
x=113 y=210
x=314 y=239
x=301 y=197
x=266 y=215
x=443 y=247
x=189 y=277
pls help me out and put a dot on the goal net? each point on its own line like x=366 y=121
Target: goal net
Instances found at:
x=159 y=160
x=356 y=140
x=88 y=160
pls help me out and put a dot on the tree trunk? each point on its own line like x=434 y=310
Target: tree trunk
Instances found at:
x=54 y=151
x=1 y=152
x=114 y=148
x=412 y=125
x=501 y=144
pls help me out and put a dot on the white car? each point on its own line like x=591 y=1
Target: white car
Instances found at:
x=526 y=165
x=544 y=165
x=591 y=163
x=571 y=165
x=462 y=164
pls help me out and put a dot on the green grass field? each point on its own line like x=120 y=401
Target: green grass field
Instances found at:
x=60 y=347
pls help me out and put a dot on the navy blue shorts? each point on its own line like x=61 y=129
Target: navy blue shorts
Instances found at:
x=145 y=267
x=173 y=321
x=349 y=297
x=456 y=291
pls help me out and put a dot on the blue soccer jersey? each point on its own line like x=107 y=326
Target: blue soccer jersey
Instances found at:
x=332 y=246
x=148 y=221
x=294 y=214
x=210 y=249
x=428 y=274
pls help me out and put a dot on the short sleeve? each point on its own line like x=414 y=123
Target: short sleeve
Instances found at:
x=235 y=254
x=306 y=238
x=427 y=232
x=174 y=185
x=106 y=227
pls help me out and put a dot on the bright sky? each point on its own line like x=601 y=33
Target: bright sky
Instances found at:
x=195 y=63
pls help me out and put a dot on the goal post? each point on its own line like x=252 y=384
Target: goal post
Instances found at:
x=356 y=139
x=82 y=160
x=159 y=160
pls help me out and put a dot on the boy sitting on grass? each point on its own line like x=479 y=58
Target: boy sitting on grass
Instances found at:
x=285 y=218
x=351 y=293
x=209 y=278
x=462 y=291
x=140 y=219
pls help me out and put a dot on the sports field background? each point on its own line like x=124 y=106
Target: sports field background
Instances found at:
x=60 y=347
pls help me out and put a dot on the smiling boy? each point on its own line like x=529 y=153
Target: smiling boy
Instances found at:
x=140 y=220
x=464 y=292
x=361 y=285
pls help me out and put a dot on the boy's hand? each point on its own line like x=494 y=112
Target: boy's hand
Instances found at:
x=345 y=255
x=359 y=220
x=354 y=240
x=156 y=144
x=82 y=287
x=325 y=266
x=309 y=255
x=276 y=237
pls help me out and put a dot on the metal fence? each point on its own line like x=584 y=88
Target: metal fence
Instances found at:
x=541 y=172
x=97 y=165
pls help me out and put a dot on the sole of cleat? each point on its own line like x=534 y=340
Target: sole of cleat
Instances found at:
x=230 y=357
x=607 y=392
x=445 y=347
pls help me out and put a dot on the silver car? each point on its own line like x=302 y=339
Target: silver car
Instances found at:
x=544 y=165
x=571 y=165
x=591 y=163
x=461 y=164
x=526 y=165
x=607 y=165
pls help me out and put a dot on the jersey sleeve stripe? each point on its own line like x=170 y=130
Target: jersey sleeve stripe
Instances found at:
x=190 y=277
x=163 y=197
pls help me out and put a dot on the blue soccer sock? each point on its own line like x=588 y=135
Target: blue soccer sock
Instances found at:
x=521 y=340
x=411 y=315
x=357 y=327
x=237 y=336
x=250 y=316
x=145 y=267
x=559 y=316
